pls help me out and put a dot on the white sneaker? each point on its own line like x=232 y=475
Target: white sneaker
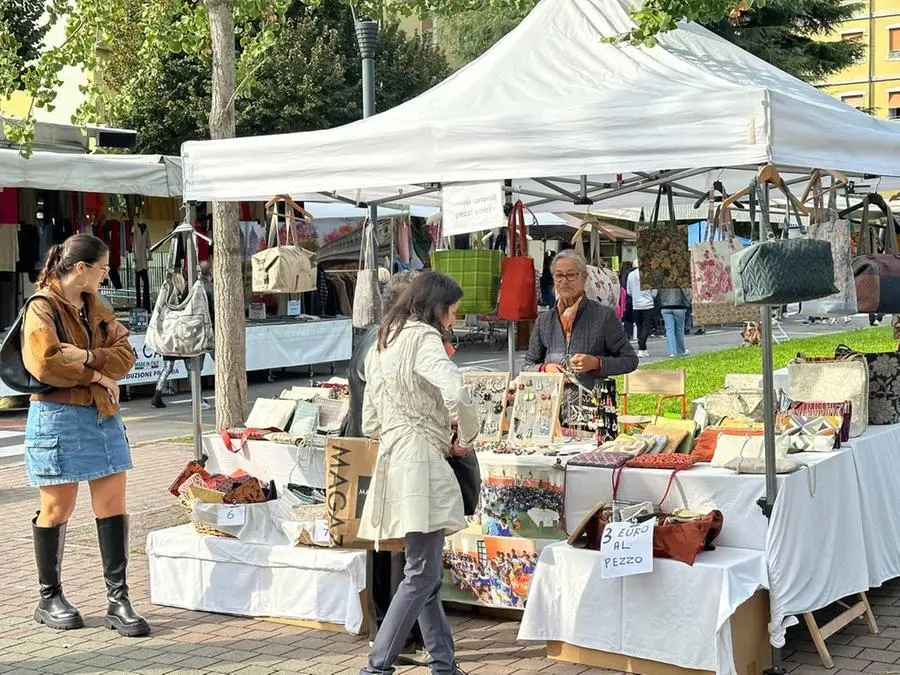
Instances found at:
x=686 y=352
x=643 y=354
x=204 y=405
x=672 y=356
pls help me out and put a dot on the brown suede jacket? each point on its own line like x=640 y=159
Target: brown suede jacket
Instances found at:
x=112 y=353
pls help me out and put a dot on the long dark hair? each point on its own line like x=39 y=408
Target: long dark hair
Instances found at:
x=427 y=298
x=62 y=258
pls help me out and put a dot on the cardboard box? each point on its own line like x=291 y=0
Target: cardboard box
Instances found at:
x=749 y=635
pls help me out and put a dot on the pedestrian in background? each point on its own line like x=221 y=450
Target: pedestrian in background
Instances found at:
x=642 y=301
x=74 y=431
x=675 y=303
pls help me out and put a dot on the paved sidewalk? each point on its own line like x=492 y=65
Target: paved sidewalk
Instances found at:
x=196 y=643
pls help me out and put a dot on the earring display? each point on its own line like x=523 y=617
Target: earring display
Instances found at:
x=489 y=394
x=596 y=411
x=536 y=408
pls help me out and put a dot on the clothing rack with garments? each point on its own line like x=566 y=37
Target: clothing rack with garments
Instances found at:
x=339 y=287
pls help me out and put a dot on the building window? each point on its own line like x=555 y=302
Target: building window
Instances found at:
x=854 y=100
x=854 y=36
x=894 y=41
x=894 y=105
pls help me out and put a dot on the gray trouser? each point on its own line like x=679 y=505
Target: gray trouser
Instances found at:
x=417 y=597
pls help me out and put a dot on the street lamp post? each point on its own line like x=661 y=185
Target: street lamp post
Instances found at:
x=367 y=38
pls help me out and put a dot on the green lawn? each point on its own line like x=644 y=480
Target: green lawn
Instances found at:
x=706 y=372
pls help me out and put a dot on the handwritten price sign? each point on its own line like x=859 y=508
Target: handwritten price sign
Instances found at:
x=627 y=549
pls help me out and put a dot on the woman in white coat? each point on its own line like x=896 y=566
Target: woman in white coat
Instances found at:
x=413 y=393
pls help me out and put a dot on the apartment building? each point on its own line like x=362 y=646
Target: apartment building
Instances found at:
x=873 y=83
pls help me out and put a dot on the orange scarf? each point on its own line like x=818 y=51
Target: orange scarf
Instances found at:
x=567 y=316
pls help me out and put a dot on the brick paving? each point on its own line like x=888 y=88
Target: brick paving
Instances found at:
x=195 y=643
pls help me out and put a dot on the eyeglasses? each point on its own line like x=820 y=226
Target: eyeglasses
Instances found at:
x=105 y=268
x=568 y=276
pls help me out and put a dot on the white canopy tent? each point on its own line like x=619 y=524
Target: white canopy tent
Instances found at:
x=148 y=175
x=552 y=100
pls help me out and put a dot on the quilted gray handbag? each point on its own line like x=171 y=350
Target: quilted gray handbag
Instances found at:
x=781 y=271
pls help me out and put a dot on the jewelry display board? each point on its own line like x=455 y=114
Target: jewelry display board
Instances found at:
x=489 y=393
x=595 y=411
x=535 y=417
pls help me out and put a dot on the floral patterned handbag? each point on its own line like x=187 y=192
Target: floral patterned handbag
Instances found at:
x=662 y=249
x=711 y=288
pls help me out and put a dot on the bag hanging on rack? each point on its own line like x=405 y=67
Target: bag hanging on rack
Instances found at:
x=180 y=328
x=518 y=280
x=663 y=249
x=827 y=226
x=781 y=271
x=877 y=275
x=477 y=271
x=366 y=296
x=711 y=288
x=602 y=283
x=283 y=268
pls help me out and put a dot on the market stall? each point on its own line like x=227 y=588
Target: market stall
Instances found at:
x=606 y=144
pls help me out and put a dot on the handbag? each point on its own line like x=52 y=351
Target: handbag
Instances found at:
x=712 y=291
x=705 y=448
x=781 y=271
x=517 y=299
x=877 y=275
x=671 y=461
x=468 y=475
x=817 y=433
x=663 y=249
x=180 y=328
x=843 y=410
x=602 y=283
x=600 y=460
x=283 y=268
x=884 y=392
x=729 y=447
x=827 y=226
x=833 y=379
x=477 y=271
x=271 y=413
x=741 y=405
x=306 y=420
x=13 y=372
x=366 y=296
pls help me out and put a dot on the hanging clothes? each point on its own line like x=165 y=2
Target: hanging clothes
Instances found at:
x=9 y=206
x=94 y=204
x=28 y=206
x=202 y=244
x=29 y=250
x=113 y=240
x=9 y=247
x=141 y=246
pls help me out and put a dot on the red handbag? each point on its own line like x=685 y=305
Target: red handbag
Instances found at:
x=518 y=286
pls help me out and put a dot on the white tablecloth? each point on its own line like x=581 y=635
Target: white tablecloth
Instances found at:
x=877 y=457
x=215 y=574
x=268 y=461
x=639 y=616
x=818 y=509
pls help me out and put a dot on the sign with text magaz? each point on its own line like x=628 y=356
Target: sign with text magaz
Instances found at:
x=471 y=207
x=626 y=549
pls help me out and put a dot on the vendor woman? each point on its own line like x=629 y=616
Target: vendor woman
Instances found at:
x=578 y=334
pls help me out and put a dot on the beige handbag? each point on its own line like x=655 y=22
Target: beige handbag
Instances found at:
x=602 y=283
x=271 y=413
x=283 y=268
x=833 y=380
x=366 y=296
x=742 y=405
x=730 y=448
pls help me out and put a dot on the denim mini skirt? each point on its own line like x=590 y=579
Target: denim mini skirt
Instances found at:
x=72 y=443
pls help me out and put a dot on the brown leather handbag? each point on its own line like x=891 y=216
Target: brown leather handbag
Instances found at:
x=877 y=275
x=673 y=538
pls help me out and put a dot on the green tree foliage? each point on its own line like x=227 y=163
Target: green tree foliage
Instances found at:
x=23 y=20
x=311 y=80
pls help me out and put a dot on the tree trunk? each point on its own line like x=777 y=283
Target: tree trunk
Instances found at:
x=231 y=338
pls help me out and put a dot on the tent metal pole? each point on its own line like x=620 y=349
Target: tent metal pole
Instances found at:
x=511 y=325
x=190 y=211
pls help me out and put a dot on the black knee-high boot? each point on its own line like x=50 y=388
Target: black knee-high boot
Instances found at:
x=53 y=609
x=113 y=535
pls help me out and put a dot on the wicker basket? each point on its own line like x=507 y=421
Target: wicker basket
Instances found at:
x=202 y=529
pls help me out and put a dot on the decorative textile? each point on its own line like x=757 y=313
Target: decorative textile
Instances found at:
x=812 y=409
x=662 y=249
x=567 y=316
x=671 y=461
x=884 y=385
